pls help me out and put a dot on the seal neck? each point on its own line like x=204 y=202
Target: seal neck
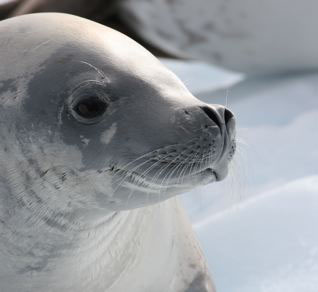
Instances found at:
x=41 y=223
x=39 y=237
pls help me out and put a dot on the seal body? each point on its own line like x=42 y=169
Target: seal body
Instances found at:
x=97 y=137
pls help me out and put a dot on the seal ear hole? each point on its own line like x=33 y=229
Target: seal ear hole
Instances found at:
x=90 y=107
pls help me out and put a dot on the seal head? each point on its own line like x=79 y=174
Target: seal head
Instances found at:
x=92 y=124
x=91 y=106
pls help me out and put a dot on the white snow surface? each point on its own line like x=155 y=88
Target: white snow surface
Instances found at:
x=258 y=228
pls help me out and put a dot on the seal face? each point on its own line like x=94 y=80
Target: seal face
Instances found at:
x=90 y=122
x=135 y=127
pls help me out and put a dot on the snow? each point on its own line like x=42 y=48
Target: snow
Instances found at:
x=258 y=227
x=267 y=243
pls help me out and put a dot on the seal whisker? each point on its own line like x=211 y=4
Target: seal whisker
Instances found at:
x=128 y=173
x=123 y=174
x=172 y=170
x=173 y=161
x=185 y=167
x=145 y=172
x=158 y=162
x=122 y=168
x=226 y=96
x=237 y=167
x=158 y=173
x=197 y=161
x=100 y=72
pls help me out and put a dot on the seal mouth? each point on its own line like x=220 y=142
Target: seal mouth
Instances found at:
x=137 y=181
x=209 y=171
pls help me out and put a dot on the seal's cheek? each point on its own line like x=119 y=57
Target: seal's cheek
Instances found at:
x=108 y=135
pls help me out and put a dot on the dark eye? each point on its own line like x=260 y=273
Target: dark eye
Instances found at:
x=90 y=107
x=88 y=103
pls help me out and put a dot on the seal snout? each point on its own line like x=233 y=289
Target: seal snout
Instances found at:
x=213 y=115
x=216 y=125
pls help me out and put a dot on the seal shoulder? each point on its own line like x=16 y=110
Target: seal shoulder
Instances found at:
x=194 y=274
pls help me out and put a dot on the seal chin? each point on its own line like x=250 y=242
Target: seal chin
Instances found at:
x=208 y=175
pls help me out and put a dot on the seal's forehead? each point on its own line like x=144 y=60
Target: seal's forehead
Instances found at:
x=32 y=39
x=46 y=32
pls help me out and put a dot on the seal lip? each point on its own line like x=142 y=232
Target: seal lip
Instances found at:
x=210 y=171
x=133 y=178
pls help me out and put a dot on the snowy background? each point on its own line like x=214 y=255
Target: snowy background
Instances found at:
x=258 y=228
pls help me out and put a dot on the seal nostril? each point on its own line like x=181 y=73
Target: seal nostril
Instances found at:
x=227 y=116
x=212 y=115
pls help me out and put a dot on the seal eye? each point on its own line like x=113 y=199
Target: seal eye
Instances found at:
x=90 y=107
x=88 y=103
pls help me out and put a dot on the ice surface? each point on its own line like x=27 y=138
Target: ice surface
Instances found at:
x=259 y=227
x=268 y=243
